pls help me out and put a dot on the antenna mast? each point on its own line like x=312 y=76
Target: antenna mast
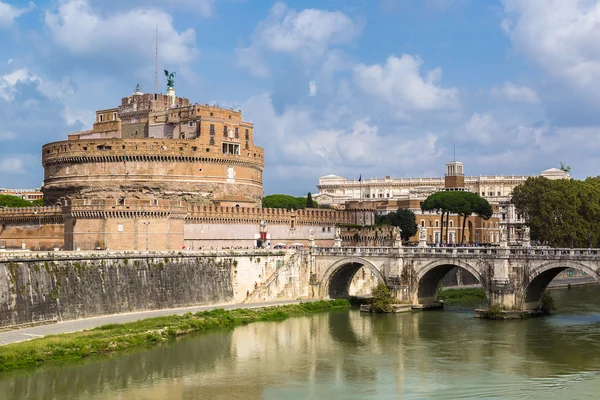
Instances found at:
x=156 y=66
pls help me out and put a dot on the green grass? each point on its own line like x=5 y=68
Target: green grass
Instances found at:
x=113 y=338
x=460 y=295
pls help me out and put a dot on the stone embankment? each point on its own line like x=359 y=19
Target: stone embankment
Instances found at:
x=38 y=288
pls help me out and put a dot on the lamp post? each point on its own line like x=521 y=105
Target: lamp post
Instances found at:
x=147 y=223
x=39 y=229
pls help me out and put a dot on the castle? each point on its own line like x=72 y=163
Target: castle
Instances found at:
x=160 y=173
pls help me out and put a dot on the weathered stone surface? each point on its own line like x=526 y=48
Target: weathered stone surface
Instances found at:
x=42 y=290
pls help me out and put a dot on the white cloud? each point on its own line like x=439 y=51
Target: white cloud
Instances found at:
x=9 y=81
x=307 y=34
x=305 y=144
x=129 y=35
x=13 y=165
x=399 y=84
x=484 y=129
x=9 y=13
x=561 y=37
x=312 y=88
x=6 y=135
x=513 y=92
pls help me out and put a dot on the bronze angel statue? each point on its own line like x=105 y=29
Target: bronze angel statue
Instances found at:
x=170 y=79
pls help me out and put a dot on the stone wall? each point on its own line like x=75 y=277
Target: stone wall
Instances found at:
x=48 y=289
x=151 y=168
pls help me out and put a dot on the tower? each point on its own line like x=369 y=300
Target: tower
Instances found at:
x=455 y=177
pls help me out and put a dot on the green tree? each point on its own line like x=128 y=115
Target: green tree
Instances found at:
x=461 y=203
x=562 y=212
x=13 y=201
x=402 y=218
x=382 y=299
x=309 y=201
x=38 y=202
x=286 y=201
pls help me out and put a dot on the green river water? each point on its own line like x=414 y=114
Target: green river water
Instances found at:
x=348 y=355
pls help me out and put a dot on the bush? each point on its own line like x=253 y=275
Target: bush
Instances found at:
x=382 y=299
x=548 y=301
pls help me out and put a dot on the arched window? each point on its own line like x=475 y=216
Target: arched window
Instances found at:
x=422 y=222
x=437 y=223
x=451 y=224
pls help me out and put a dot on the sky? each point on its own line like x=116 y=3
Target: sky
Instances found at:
x=369 y=88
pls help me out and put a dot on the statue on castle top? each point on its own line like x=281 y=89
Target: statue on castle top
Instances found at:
x=170 y=79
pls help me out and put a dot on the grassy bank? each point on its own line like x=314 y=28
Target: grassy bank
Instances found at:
x=113 y=338
x=461 y=295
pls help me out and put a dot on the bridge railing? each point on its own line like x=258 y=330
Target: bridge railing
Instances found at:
x=529 y=252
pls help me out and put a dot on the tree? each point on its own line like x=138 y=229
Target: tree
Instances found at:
x=402 y=218
x=13 y=201
x=382 y=299
x=286 y=201
x=461 y=203
x=562 y=212
x=38 y=203
x=309 y=201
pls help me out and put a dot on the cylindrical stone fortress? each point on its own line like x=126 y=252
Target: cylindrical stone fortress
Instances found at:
x=175 y=169
x=158 y=147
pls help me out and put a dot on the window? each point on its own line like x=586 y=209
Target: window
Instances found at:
x=225 y=130
x=437 y=224
x=237 y=133
x=247 y=147
x=247 y=135
x=498 y=193
x=328 y=229
x=323 y=229
x=423 y=222
x=387 y=195
x=211 y=114
x=191 y=124
x=212 y=130
x=212 y=141
x=231 y=148
x=100 y=118
x=451 y=224
x=114 y=116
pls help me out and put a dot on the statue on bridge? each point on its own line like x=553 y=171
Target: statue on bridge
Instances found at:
x=526 y=237
x=337 y=238
x=311 y=236
x=397 y=236
x=503 y=236
x=422 y=236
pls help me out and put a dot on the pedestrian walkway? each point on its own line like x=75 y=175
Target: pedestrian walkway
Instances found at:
x=20 y=335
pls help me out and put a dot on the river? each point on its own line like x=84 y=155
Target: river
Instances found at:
x=348 y=355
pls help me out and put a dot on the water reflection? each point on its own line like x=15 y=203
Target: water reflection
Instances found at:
x=446 y=354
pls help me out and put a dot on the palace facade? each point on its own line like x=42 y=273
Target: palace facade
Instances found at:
x=390 y=194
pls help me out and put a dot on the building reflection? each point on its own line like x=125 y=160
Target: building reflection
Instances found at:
x=332 y=355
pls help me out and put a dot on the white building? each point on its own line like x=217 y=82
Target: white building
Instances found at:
x=335 y=191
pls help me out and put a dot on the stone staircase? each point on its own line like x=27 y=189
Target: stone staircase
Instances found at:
x=284 y=282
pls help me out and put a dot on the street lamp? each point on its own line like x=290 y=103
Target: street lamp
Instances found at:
x=147 y=223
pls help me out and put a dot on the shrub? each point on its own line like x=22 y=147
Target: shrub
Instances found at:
x=382 y=299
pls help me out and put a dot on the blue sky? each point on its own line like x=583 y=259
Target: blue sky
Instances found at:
x=371 y=87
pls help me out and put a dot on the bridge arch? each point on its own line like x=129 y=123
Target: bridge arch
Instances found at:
x=540 y=278
x=336 y=280
x=429 y=278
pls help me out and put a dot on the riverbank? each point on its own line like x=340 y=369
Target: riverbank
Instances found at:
x=115 y=338
x=461 y=295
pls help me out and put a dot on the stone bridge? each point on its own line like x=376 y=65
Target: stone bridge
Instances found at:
x=512 y=277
